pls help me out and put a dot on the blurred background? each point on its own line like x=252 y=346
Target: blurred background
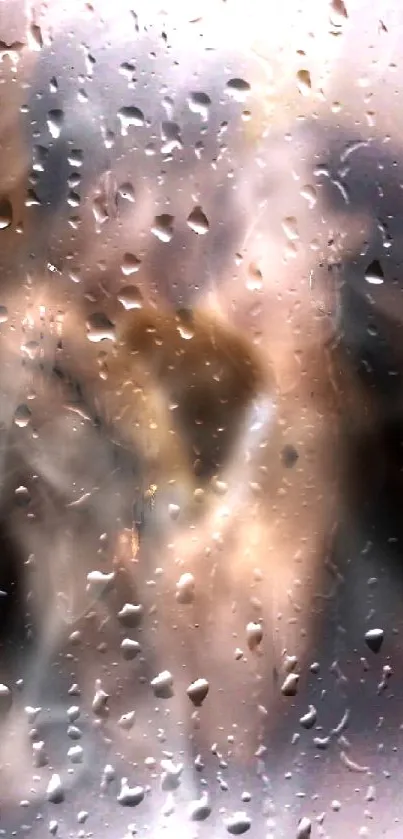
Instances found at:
x=190 y=151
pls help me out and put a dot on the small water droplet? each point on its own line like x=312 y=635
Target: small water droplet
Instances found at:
x=185 y=588
x=22 y=416
x=163 y=227
x=238 y=89
x=174 y=511
x=254 y=280
x=171 y=775
x=6 y=699
x=130 y=649
x=304 y=828
x=198 y=691
x=238 y=823
x=130 y=796
x=199 y=103
x=98 y=582
x=304 y=82
x=130 y=265
x=290 y=685
x=374 y=273
x=126 y=721
x=338 y=13
x=289 y=455
x=126 y=192
x=131 y=615
x=6 y=213
x=34 y=37
x=162 y=685
x=200 y=810
x=171 y=136
x=55 y=791
x=254 y=635
x=82 y=816
x=130 y=297
x=308 y=720
x=100 y=328
x=55 y=122
x=198 y=221
x=3 y=314
x=309 y=193
x=290 y=227
x=75 y=754
x=374 y=639
x=128 y=116
x=76 y=158
x=100 y=701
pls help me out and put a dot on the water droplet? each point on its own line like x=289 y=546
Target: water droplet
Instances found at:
x=34 y=37
x=131 y=615
x=82 y=816
x=200 y=810
x=53 y=827
x=126 y=721
x=309 y=193
x=126 y=192
x=174 y=511
x=304 y=828
x=163 y=227
x=130 y=649
x=75 y=754
x=308 y=720
x=290 y=227
x=128 y=116
x=22 y=416
x=171 y=135
x=304 y=82
x=130 y=297
x=130 y=796
x=73 y=713
x=254 y=281
x=238 y=823
x=98 y=583
x=198 y=221
x=76 y=158
x=162 y=685
x=290 y=685
x=254 y=635
x=374 y=273
x=171 y=775
x=55 y=122
x=3 y=314
x=185 y=589
x=100 y=328
x=238 y=89
x=198 y=691
x=55 y=791
x=289 y=455
x=6 y=213
x=100 y=701
x=338 y=13
x=374 y=639
x=31 y=349
x=199 y=103
x=130 y=265
x=6 y=699
x=39 y=757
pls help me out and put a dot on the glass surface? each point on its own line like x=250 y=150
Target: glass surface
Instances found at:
x=201 y=362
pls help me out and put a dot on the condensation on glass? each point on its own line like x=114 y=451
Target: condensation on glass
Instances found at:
x=200 y=518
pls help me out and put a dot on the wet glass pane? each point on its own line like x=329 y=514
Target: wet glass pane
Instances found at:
x=201 y=361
